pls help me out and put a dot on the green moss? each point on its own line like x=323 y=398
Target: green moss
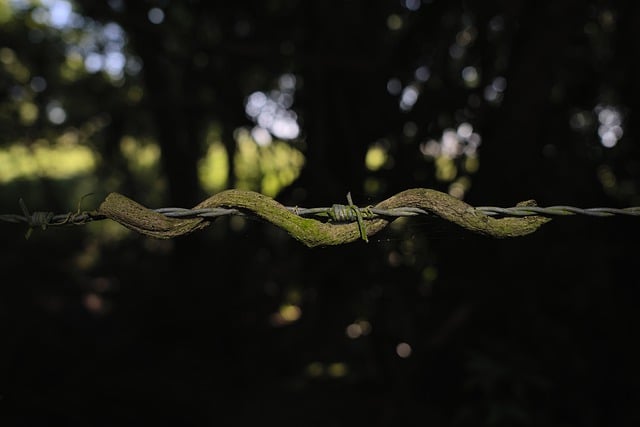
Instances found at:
x=312 y=232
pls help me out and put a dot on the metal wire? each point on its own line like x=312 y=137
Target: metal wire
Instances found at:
x=336 y=213
x=557 y=211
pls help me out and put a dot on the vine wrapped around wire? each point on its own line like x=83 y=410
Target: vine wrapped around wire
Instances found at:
x=313 y=227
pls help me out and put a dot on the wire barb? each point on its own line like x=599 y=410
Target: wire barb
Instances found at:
x=345 y=213
x=37 y=219
x=337 y=213
x=356 y=210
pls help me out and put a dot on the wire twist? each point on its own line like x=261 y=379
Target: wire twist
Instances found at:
x=557 y=211
x=338 y=213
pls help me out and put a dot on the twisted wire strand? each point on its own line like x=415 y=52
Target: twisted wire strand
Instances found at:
x=337 y=213
x=557 y=211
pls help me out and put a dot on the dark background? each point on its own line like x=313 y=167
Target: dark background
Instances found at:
x=533 y=331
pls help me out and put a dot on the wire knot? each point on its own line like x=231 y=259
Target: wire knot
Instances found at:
x=36 y=219
x=351 y=213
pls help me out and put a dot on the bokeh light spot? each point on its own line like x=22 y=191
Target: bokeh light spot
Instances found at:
x=470 y=76
x=155 y=15
x=409 y=97
x=394 y=22
x=337 y=370
x=610 y=128
x=394 y=86
x=403 y=350
x=273 y=112
x=55 y=113
x=28 y=112
x=376 y=157
x=412 y=5
x=422 y=73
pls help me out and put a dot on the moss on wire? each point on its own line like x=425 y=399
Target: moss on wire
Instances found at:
x=312 y=232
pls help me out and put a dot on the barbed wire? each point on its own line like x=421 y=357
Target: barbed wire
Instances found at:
x=336 y=212
x=344 y=213
x=557 y=211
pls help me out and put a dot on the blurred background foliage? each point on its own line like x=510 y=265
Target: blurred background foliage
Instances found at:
x=168 y=102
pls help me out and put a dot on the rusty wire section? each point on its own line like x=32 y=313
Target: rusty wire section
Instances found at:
x=335 y=213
